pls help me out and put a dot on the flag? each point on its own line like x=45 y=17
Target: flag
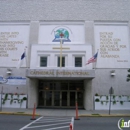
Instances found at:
x=23 y=56
x=92 y=59
x=21 y=59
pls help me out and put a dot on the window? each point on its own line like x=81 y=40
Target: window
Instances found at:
x=78 y=61
x=43 y=61
x=63 y=62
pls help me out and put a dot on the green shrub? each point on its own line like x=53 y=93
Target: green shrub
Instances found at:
x=96 y=94
x=24 y=98
x=106 y=97
x=97 y=100
x=102 y=102
x=114 y=102
x=121 y=102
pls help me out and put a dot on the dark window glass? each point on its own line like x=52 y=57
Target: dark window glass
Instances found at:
x=64 y=99
x=40 y=85
x=64 y=86
x=48 y=98
x=72 y=98
x=57 y=98
x=57 y=86
x=48 y=86
x=80 y=98
x=78 y=61
x=76 y=86
x=41 y=98
x=63 y=62
x=43 y=61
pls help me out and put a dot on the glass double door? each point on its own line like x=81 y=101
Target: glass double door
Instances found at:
x=60 y=98
x=53 y=98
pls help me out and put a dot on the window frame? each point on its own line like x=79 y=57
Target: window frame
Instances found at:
x=58 y=61
x=81 y=61
x=46 y=61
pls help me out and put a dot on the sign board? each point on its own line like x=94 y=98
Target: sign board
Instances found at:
x=60 y=73
x=13 y=40
x=3 y=80
x=16 y=81
x=112 y=40
x=50 y=34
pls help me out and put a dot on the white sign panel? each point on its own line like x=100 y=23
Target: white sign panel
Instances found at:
x=70 y=34
x=3 y=80
x=13 y=40
x=16 y=81
x=113 y=44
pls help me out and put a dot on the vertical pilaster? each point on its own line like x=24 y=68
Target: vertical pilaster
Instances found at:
x=88 y=96
x=33 y=38
x=32 y=92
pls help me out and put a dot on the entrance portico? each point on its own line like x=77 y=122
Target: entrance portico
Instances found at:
x=58 y=88
x=60 y=93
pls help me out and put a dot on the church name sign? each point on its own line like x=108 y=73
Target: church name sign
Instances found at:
x=60 y=73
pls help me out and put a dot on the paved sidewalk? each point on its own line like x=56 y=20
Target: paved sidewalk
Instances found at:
x=64 y=112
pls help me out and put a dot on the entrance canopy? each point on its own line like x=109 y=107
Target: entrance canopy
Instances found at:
x=60 y=73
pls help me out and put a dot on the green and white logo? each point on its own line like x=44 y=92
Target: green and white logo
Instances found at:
x=122 y=124
x=61 y=33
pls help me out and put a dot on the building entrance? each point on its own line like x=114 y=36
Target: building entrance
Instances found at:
x=60 y=94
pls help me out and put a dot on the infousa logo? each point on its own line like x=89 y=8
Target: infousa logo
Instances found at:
x=122 y=124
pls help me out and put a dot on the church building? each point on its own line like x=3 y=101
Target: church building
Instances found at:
x=64 y=51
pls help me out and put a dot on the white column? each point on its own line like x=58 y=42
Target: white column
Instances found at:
x=88 y=95
x=32 y=92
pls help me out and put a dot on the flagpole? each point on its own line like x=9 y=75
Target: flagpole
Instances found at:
x=26 y=55
x=22 y=57
x=96 y=59
x=93 y=59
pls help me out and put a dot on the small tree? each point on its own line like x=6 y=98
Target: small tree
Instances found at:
x=128 y=76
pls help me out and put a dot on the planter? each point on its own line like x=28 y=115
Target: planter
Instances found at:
x=6 y=104
x=15 y=104
x=117 y=102
x=22 y=96
x=117 y=106
x=14 y=101
x=23 y=104
x=16 y=96
x=102 y=98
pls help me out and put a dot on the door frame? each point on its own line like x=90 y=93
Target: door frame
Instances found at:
x=53 y=98
x=53 y=90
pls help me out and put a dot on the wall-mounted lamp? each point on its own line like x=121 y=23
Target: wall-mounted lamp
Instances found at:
x=9 y=71
x=112 y=72
x=77 y=89
x=47 y=88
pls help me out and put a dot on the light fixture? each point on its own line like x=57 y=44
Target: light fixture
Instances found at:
x=47 y=88
x=77 y=89
x=112 y=72
x=9 y=71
